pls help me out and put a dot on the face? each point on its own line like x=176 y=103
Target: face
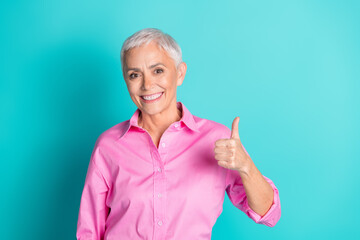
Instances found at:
x=152 y=78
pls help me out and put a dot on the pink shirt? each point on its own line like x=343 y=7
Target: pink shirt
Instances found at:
x=134 y=190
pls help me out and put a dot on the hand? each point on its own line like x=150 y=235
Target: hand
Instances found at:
x=230 y=153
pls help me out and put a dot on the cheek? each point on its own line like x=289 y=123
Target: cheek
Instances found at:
x=168 y=82
x=132 y=88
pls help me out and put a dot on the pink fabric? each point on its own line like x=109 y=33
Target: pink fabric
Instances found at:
x=175 y=191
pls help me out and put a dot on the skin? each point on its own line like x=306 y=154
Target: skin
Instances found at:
x=230 y=154
x=149 y=69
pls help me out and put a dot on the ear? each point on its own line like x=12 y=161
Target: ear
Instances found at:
x=181 y=71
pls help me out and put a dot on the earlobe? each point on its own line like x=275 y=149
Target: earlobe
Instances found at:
x=181 y=73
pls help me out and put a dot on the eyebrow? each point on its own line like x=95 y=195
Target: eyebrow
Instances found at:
x=138 y=69
x=156 y=64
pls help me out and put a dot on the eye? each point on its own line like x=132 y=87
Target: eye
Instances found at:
x=133 y=75
x=159 y=70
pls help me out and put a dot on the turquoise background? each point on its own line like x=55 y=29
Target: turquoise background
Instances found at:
x=289 y=69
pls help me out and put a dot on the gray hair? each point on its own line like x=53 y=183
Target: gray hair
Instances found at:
x=147 y=35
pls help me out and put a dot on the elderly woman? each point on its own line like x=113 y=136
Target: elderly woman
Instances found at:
x=163 y=173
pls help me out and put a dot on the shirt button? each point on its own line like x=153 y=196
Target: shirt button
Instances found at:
x=160 y=223
x=159 y=195
x=159 y=169
x=163 y=144
x=176 y=125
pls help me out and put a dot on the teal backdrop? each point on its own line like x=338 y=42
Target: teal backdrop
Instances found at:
x=289 y=69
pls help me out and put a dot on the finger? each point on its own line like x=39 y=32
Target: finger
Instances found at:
x=224 y=157
x=225 y=164
x=235 y=129
x=223 y=149
x=225 y=143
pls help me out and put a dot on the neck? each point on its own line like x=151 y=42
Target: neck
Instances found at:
x=158 y=123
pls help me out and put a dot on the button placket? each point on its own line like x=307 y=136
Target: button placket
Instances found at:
x=158 y=191
x=164 y=146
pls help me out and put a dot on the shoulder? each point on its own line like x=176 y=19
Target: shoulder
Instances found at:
x=113 y=133
x=212 y=127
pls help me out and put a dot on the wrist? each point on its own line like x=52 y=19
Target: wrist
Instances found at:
x=247 y=169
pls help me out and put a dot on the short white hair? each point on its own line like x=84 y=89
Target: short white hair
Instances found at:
x=148 y=35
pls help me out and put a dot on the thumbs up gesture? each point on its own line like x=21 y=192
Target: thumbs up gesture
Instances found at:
x=230 y=153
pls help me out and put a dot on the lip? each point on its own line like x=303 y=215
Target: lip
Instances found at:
x=151 y=101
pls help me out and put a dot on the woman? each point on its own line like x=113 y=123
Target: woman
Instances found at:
x=163 y=173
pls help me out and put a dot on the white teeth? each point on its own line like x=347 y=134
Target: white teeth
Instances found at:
x=152 y=97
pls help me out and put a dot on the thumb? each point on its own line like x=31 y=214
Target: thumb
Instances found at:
x=235 y=128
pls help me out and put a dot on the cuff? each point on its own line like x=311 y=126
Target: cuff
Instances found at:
x=272 y=216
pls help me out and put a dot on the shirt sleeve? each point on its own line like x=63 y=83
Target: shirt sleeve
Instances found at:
x=236 y=192
x=93 y=210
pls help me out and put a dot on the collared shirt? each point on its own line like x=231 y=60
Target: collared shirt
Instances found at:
x=135 y=190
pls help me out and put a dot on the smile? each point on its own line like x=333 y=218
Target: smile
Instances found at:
x=152 y=97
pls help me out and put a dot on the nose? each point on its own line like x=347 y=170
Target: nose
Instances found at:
x=147 y=82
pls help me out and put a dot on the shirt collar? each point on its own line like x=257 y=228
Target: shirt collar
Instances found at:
x=187 y=118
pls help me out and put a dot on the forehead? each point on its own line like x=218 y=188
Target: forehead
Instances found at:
x=147 y=53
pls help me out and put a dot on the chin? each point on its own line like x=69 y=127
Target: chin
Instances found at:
x=151 y=110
